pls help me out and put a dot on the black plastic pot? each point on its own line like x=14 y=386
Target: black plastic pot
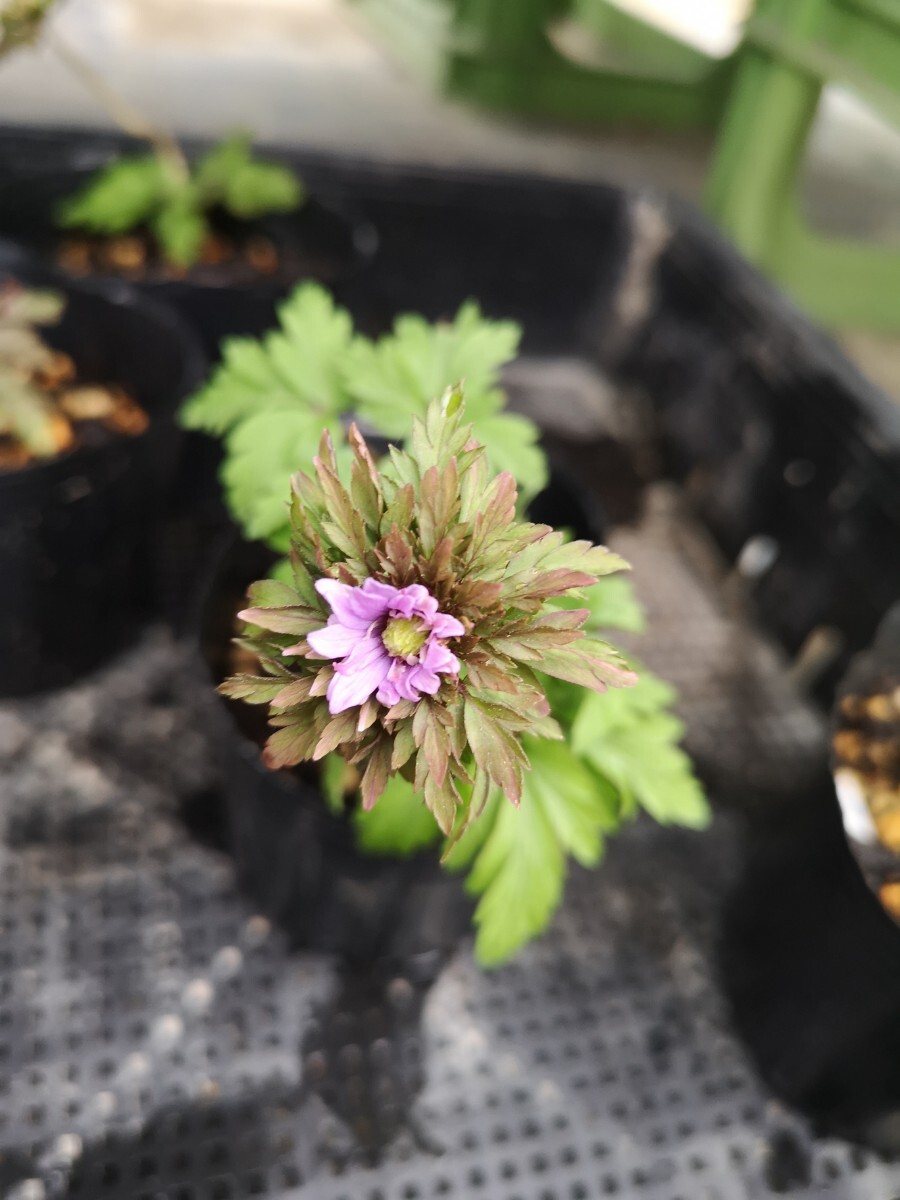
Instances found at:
x=321 y=241
x=79 y=535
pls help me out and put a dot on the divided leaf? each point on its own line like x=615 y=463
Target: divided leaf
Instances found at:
x=121 y=196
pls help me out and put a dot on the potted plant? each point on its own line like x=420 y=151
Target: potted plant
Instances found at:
x=363 y=877
x=89 y=380
x=222 y=236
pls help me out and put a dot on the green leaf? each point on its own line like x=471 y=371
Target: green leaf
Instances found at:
x=180 y=229
x=121 y=196
x=333 y=777
x=579 y=807
x=399 y=823
x=397 y=377
x=244 y=384
x=262 y=454
x=612 y=604
x=519 y=854
x=630 y=738
x=247 y=187
x=519 y=874
x=511 y=444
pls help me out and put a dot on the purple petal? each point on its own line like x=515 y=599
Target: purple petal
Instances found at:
x=359 y=675
x=443 y=625
x=415 y=600
x=424 y=680
x=399 y=676
x=388 y=695
x=334 y=640
x=438 y=658
x=353 y=606
x=385 y=592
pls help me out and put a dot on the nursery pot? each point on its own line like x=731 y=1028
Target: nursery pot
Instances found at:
x=320 y=241
x=79 y=533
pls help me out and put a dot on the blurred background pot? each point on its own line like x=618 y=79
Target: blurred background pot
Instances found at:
x=320 y=241
x=79 y=534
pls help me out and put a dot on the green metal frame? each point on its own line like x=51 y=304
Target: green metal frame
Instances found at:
x=792 y=49
x=498 y=54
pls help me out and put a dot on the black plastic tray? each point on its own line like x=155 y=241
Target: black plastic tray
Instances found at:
x=157 y=1038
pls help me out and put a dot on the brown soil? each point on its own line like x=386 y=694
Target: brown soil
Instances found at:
x=135 y=256
x=84 y=411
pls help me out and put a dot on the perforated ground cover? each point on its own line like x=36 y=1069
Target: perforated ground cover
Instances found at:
x=158 y=1041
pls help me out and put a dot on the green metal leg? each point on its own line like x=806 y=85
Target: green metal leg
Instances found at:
x=496 y=53
x=752 y=193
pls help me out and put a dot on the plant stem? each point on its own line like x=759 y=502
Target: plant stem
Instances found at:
x=128 y=118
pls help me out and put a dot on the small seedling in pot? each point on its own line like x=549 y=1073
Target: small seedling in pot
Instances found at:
x=157 y=206
x=157 y=209
x=42 y=407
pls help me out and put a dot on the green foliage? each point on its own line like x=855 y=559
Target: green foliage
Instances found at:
x=518 y=855
x=399 y=824
x=121 y=196
x=26 y=412
x=394 y=380
x=312 y=371
x=631 y=739
x=246 y=187
x=270 y=400
x=151 y=190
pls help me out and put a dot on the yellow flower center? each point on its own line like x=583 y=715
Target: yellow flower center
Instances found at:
x=404 y=637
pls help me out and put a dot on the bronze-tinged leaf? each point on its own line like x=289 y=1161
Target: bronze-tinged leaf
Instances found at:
x=479 y=595
x=442 y=799
x=400 y=510
x=439 y=568
x=326 y=454
x=548 y=584
x=341 y=510
x=588 y=663
x=319 y=685
x=271 y=593
x=480 y=794
x=291 y=745
x=531 y=646
x=375 y=776
x=438 y=504
x=571 y=618
x=340 y=729
x=457 y=727
x=303 y=582
x=252 y=689
x=368 y=714
x=396 y=557
x=584 y=556
x=404 y=745
x=497 y=512
x=297 y=619
x=436 y=745
x=421 y=718
x=365 y=484
x=400 y=711
x=298 y=691
x=495 y=751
